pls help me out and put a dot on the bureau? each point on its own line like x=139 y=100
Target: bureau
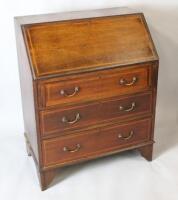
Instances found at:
x=88 y=83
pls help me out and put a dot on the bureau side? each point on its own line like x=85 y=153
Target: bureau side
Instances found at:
x=28 y=95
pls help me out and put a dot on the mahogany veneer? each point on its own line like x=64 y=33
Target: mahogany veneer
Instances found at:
x=88 y=82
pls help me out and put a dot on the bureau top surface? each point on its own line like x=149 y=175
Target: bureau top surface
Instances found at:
x=75 y=43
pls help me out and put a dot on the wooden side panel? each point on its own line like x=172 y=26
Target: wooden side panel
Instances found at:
x=27 y=93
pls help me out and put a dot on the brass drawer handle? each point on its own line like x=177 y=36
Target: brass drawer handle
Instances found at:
x=126 y=83
x=77 y=118
x=132 y=107
x=64 y=93
x=66 y=149
x=120 y=136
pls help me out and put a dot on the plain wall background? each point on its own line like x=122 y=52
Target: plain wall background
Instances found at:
x=162 y=18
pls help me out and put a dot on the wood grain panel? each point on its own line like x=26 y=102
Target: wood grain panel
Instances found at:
x=28 y=94
x=64 y=149
x=94 y=86
x=52 y=122
x=62 y=47
x=88 y=90
x=111 y=81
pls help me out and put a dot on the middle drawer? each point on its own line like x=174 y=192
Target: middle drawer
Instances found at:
x=61 y=120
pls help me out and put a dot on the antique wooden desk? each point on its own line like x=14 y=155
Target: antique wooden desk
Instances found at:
x=88 y=82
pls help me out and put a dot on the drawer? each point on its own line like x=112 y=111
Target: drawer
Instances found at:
x=125 y=81
x=71 y=90
x=60 y=120
x=91 y=144
x=94 y=86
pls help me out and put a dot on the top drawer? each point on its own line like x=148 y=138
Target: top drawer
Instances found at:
x=94 y=86
x=69 y=90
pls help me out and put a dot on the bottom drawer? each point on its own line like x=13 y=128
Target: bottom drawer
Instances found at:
x=79 y=146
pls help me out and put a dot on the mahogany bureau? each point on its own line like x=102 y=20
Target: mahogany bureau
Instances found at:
x=88 y=83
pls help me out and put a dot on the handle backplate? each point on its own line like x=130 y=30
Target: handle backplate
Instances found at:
x=131 y=108
x=120 y=136
x=64 y=93
x=124 y=82
x=77 y=118
x=77 y=148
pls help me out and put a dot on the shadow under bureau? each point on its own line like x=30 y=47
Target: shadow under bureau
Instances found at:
x=88 y=82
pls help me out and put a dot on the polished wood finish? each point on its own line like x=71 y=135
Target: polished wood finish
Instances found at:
x=28 y=94
x=45 y=178
x=88 y=83
x=87 y=44
x=52 y=120
x=51 y=90
x=147 y=152
x=88 y=144
x=94 y=86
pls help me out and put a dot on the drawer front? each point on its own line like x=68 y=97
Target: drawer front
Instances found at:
x=95 y=86
x=69 y=119
x=69 y=91
x=125 y=81
x=60 y=120
x=72 y=148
